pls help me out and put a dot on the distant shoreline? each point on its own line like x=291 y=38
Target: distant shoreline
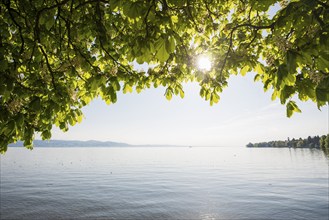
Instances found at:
x=317 y=142
x=90 y=143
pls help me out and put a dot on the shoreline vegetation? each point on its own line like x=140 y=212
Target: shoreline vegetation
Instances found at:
x=320 y=142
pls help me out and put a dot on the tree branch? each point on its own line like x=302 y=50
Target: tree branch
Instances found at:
x=208 y=9
x=19 y=26
x=49 y=67
x=91 y=1
x=271 y=26
x=37 y=17
x=145 y=18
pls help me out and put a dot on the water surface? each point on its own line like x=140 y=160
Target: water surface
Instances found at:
x=167 y=183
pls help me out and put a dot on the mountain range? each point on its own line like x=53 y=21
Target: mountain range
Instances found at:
x=90 y=143
x=73 y=143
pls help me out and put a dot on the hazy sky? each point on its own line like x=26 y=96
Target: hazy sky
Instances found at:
x=244 y=114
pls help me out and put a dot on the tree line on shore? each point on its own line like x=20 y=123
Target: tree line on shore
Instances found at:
x=309 y=142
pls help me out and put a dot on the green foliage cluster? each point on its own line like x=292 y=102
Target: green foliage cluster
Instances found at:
x=310 y=142
x=56 y=56
x=324 y=143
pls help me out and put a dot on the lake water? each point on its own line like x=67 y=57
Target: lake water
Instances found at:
x=164 y=183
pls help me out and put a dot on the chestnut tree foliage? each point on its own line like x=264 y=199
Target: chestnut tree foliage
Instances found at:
x=58 y=55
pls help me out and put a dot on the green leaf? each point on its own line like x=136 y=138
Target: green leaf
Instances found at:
x=170 y=45
x=290 y=80
x=244 y=70
x=257 y=77
x=321 y=94
x=291 y=62
x=3 y=147
x=28 y=144
x=259 y=69
x=263 y=5
x=162 y=54
x=36 y=104
x=127 y=88
x=215 y=97
x=115 y=84
x=50 y=23
x=79 y=118
x=207 y=95
x=168 y=94
x=275 y=94
x=174 y=19
x=286 y=93
x=306 y=91
x=86 y=99
x=139 y=89
x=291 y=108
x=202 y=92
x=322 y=91
x=156 y=83
x=9 y=129
x=63 y=126
x=281 y=74
x=323 y=64
x=46 y=135
x=181 y=93
x=132 y=9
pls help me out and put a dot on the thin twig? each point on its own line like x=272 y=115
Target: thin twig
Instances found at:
x=49 y=67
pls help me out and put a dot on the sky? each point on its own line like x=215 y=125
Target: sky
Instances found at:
x=244 y=114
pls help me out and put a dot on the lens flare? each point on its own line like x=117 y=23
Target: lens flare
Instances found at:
x=204 y=63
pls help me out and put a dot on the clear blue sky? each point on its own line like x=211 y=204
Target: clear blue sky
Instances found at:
x=244 y=114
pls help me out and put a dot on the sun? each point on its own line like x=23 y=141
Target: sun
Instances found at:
x=204 y=63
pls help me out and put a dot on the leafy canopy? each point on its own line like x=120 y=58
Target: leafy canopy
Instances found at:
x=56 y=56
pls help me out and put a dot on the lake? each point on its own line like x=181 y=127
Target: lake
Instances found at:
x=164 y=183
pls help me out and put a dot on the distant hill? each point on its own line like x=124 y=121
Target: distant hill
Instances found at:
x=64 y=143
x=91 y=143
